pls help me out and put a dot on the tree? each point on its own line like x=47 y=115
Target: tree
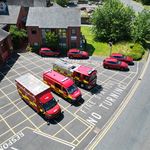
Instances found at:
x=17 y=35
x=52 y=40
x=62 y=2
x=112 y=21
x=141 y=27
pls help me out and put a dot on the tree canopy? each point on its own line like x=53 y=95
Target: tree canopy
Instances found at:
x=17 y=35
x=52 y=40
x=112 y=21
x=141 y=27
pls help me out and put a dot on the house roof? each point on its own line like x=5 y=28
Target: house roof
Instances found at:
x=12 y=17
x=39 y=3
x=27 y=3
x=53 y=17
x=3 y=34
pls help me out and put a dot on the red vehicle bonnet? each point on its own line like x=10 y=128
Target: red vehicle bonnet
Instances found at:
x=76 y=93
x=124 y=64
x=85 y=53
x=45 y=97
x=54 y=110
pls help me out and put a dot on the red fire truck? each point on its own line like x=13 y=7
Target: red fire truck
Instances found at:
x=62 y=85
x=37 y=95
x=82 y=75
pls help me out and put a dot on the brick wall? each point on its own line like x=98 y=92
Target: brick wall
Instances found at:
x=5 y=46
x=34 y=38
x=23 y=13
x=77 y=40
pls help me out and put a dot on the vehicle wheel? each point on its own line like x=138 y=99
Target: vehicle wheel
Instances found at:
x=122 y=69
x=77 y=83
x=106 y=67
x=42 y=55
x=82 y=85
x=70 y=57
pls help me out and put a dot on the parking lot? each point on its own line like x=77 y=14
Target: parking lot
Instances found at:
x=22 y=128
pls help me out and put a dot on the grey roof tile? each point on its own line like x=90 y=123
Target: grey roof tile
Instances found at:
x=12 y=17
x=3 y=34
x=27 y=3
x=53 y=17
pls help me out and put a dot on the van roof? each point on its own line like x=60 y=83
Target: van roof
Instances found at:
x=32 y=84
x=75 y=67
x=85 y=70
x=65 y=81
x=65 y=65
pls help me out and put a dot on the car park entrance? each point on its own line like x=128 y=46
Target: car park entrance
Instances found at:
x=22 y=128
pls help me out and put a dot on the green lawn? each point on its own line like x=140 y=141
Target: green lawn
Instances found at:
x=100 y=48
x=147 y=7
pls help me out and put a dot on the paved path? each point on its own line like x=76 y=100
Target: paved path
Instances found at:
x=136 y=6
x=131 y=130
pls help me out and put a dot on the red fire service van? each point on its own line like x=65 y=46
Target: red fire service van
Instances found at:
x=37 y=95
x=62 y=85
x=82 y=75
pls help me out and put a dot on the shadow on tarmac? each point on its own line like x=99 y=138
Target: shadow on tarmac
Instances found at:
x=96 y=89
x=4 y=69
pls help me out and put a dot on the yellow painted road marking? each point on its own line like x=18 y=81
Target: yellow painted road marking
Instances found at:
x=8 y=125
x=11 y=128
x=9 y=104
x=54 y=138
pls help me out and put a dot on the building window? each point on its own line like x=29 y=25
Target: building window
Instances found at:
x=73 y=31
x=36 y=43
x=63 y=45
x=73 y=44
x=57 y=86
x=62 y=33
x=33 y=30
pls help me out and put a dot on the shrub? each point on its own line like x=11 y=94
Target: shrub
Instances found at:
x=52 y=40
x=135 y=55
x=35 y=49
x=136 y=52
x=29 y=48
x=17 y=35
x=138 y=48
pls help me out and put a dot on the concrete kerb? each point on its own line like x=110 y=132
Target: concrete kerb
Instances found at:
x=119 y=110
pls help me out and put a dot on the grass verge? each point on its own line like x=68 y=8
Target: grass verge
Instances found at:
x=103 y=49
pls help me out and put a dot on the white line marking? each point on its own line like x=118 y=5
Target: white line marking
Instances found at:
x=13 y=148
x=8 y=125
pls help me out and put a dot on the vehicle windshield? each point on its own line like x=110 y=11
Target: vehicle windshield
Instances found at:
x=118 y=62
x=50 y=104
x=91 y=77
x=72 y=89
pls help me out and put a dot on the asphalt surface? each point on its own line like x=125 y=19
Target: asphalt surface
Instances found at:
x=131 y=131
x=22 y=128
